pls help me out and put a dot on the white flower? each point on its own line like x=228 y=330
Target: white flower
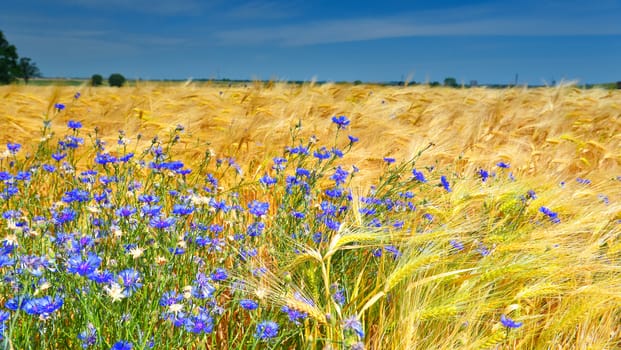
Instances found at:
x=136 y=252
x=115 y=292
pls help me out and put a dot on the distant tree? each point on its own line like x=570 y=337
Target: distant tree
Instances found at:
x=96 y=80
x=27 y=69
x=116 y=79
x=434 y=83
x=8 y=61
x=619 y=85
x=450 y=81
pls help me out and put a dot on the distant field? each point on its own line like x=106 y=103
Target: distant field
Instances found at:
x=559 y=132
x=449 y=210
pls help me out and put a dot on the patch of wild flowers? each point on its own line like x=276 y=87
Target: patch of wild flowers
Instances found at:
x=114 y=247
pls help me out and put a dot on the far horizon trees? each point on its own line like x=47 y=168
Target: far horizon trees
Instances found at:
x=27 y=69
x=116 y=79
x=12 y=66
x=96 y=80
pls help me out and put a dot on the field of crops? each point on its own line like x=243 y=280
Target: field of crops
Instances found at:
x=275 y=216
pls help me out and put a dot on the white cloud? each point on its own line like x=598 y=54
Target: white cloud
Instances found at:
x=160 y=7
x=263 y=10
x=481 y=20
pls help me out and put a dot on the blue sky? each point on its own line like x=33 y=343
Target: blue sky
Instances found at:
x=487 y=41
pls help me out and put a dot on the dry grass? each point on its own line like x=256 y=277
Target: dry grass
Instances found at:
x=556 y=133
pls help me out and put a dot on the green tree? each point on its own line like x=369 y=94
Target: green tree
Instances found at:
x=8 y=61
x=27 y=69
x=450 y=81
x=116 y=79
x=96 y=80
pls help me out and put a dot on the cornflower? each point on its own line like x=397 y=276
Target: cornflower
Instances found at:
x=266 y=330
x=341 y=122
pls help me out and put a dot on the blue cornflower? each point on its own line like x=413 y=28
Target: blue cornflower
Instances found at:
x=126 y=157
x=176 y=251
x=299 y=172
x=105 y=158
x=503 y=165
x=294 y=315
x=4 y=315
x=101 y=277
x=339 y=176
x=203 y=289
x=12 y=214
x=266 y=330
x=531 y=194
x=148 y=198
x=13 y=147
x=125 y=211
x=255 y=229
x=419 y=176
x=483 y=174
x=88 y=336
x=279 y=163
x=257 y=208
x=337 y=152
x=9 y=191
x=267 y=181
x=23 y=176
x=130 y=280
x=6 y=261
x=122 y=345
x=44 y=306
x=83 y=267
x=75 y=125
x=64 y=216
x=180 y=209
x=509 y=323
x=200 y=323
x=301 y=150
x=553 y=216
x=339 y=296
x=332 y=224
x=76 y=195
x=389 y=160
x=170 y=297
x=456 y=244
x=248 y=304
x=5 y=176
x=341 y=122
x=48 y=168
x=59 y=156
x=77 y=95
x=71 y=142
x=352 y=139
x=322 y=154
x=583 y=181
x=445 y=183
x=336 y=192
x=59 y=106
x=162 y=223
x=219 y=274
x=353 y=324
x=151 y=210
x=393 y=250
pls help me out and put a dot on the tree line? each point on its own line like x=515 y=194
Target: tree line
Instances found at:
x=12 y=66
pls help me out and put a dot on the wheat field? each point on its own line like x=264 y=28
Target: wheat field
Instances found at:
x=537 y=240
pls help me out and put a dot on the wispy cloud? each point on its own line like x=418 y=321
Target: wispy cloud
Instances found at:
x=159 y=7
x=263 y=10
x=458 y=21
